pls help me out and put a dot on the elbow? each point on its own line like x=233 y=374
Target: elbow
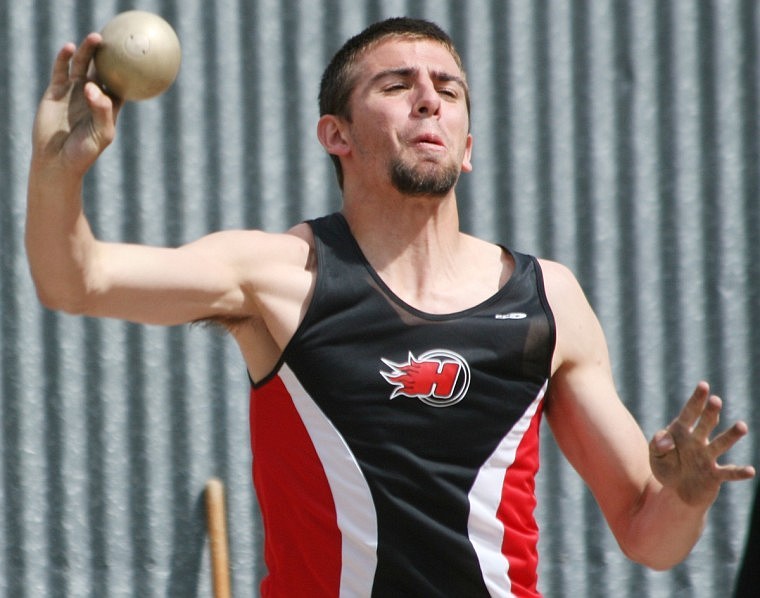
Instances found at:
x=70 y=301
x=650 y=563
x=657 y=558
x=658 y=531
x=660 y=562
x=63 y=287
x=55 y=302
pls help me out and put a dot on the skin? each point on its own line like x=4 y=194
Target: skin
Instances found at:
x=408 y=105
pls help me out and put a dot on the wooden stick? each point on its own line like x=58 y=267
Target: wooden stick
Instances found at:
x=217 y=533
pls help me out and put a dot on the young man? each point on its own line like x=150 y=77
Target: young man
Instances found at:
x=400 y=367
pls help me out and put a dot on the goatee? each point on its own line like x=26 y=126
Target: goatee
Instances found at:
x=417 y=181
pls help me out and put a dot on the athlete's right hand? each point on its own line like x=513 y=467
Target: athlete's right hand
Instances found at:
x=75 y=120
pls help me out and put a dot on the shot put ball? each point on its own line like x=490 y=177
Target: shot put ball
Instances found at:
x=139 y=57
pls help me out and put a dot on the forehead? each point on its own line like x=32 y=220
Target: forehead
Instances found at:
x=417 y=54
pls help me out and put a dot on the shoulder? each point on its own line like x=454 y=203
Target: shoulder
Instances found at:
x=557 y=275
x=262 y=265
x=579 y=333
x=240 y=247
x=563 y=291
x=275 y=273
x=297 y=237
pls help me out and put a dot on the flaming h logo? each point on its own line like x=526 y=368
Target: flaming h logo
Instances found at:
x=439 y=378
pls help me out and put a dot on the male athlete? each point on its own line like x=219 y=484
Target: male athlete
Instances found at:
x=400 y=367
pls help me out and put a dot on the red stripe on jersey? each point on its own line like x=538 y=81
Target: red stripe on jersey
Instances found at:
x=518 y=502
x=303 y=543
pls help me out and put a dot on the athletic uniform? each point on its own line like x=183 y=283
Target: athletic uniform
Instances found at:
x=395 y=451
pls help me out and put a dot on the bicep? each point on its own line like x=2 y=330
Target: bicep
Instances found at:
x=156 y=285
x=216 y=276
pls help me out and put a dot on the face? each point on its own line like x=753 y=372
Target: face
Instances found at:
x=409 y=121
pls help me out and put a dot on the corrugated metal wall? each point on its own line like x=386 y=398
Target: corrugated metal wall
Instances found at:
x=619 y=137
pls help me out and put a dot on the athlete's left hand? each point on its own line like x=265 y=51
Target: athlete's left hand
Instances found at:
x=685 y=458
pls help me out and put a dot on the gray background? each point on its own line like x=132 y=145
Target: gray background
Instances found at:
x=619 y=137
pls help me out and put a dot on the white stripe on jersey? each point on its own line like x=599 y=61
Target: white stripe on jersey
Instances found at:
x=485 y=530
x=354 y=507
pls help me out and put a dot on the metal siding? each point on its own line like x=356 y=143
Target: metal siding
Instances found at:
x=619 y=137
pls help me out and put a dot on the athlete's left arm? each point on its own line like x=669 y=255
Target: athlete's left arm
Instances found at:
x=655 y=495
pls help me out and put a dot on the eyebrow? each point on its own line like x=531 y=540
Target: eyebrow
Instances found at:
x=406 y=72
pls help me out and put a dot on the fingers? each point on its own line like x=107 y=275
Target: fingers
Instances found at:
x=60 y=73
x=104 y=109
x=736 y=473
x=700 y=415
x=82 y=58
x=709 y=418
x=72 y=62
x=75 y=64
x=694 y=407
x=662 y=443
x=728 y=438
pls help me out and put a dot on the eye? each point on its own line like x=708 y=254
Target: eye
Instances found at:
x=396 y=86
x=448 y=92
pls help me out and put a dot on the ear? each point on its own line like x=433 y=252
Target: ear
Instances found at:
x=331 y=131
x=467 y=158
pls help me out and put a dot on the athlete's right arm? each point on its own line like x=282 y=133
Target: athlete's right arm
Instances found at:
x=234 y=274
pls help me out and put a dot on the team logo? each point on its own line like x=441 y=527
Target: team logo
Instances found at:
x=438 y=378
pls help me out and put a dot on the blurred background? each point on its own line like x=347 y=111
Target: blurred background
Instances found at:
x=619 y=137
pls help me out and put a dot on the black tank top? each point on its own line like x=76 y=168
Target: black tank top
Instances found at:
x=407 y=442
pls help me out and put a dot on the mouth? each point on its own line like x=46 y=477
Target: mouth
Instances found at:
x=429 y=140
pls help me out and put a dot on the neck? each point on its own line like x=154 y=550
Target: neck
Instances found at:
x=390 y=226
x=413 y=243
x=416 y=247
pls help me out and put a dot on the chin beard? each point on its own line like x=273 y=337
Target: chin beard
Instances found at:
x=418 y=181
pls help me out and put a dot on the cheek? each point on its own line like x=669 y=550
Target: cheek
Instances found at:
x=372 y=134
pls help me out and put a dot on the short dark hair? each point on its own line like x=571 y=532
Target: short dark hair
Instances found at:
x=338 y=79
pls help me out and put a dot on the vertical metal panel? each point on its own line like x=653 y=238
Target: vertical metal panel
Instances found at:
x=620 y=138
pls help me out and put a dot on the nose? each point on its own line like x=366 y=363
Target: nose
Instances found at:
x=427 y=101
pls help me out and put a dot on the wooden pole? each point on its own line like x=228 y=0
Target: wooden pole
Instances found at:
x=217 y=533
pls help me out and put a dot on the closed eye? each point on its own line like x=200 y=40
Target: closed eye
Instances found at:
x=398 y=86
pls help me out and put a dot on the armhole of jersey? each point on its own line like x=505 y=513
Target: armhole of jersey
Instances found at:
x=548 y=310
x=319 y=253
